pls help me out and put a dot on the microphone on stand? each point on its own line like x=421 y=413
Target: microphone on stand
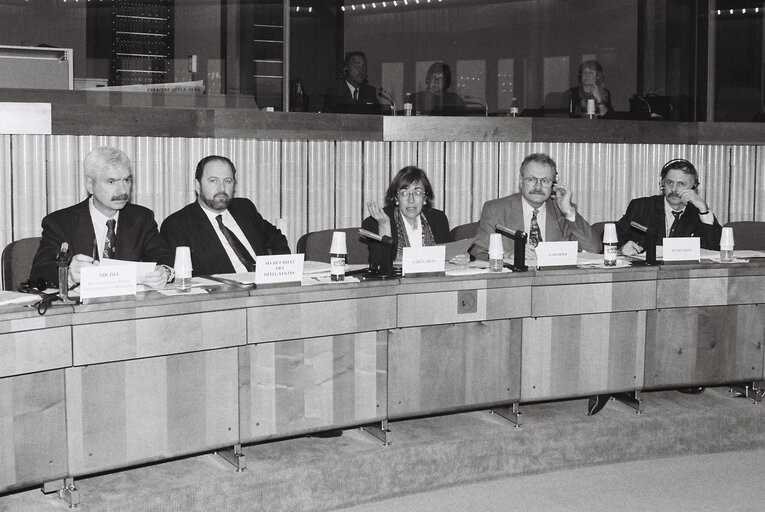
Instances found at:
x=388 y=97
x=384 y=269
x=519 y=247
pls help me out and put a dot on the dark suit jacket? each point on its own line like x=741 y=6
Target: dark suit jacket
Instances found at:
x=439 y=225
x=649 y=211
x=338 y=93
x=137 y=238
x=190 y=227
x=508 y=211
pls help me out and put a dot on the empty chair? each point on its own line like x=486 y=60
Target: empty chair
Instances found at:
x=17 y=261
x=315 y=245
x=598 y=228
x=469 y=230
x=748 y=235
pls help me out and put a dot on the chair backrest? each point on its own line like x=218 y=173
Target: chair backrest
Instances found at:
x=599 y=227
x=463 y=231
x=748 y=235
x=17 y=261
x=315 y=245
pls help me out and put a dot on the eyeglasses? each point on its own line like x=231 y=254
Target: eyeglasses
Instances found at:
x=532 y=181
x=408 y=194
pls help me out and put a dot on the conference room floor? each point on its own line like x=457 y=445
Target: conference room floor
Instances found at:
x=730 y=481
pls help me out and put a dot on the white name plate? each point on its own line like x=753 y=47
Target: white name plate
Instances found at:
x=141 y=267
x=279 y=268
x=556 y=254
x=423 y=260
x=683 y=248
x=107 y=281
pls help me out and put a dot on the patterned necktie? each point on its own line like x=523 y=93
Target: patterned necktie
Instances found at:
x=239 y=249
x=674 y=222
x=110 y=242
x=535 y=234
x=356 y=94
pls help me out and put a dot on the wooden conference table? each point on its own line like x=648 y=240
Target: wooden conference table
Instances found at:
x=93 y=388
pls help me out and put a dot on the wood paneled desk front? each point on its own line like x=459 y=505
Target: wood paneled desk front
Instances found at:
x=94 y=388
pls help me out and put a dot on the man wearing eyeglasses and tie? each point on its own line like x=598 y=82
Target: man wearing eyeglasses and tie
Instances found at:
x=225 y=233
x=105 y=225
x=543 y=209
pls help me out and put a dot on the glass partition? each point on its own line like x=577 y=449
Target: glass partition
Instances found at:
x=683 y=60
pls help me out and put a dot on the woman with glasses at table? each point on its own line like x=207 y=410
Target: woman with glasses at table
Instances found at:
x=408 y=217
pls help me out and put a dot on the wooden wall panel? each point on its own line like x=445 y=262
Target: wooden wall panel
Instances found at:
x=704 y=346
x=298 y=386
x=32 y=429
x=35 y=351
x=601 y=297
x=606 y=351
x=441 y=368
x=444 y=307
x=129 y=339
x=119 y=414
x=332 y=317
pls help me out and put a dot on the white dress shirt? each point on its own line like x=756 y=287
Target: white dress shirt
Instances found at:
x=528 y=211
x=99 y=226
x=414 y=233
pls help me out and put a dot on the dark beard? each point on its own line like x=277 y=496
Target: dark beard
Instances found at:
x=217 y=203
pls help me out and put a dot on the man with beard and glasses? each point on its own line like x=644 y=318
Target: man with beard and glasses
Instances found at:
x=225 y=233
x=105 y=225
x=678 y=211
x=535 y=210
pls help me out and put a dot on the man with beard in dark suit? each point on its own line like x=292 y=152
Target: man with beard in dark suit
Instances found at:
x=225 y=233
x=105 y=225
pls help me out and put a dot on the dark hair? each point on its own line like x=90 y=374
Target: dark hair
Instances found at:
x=405 y=177
x=201 y=165
x=347 y=60
x=539 y=158
x=682 y=165
x=592 y=64
x=440 y=67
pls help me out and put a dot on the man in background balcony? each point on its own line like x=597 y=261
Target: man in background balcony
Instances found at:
x=225 y=233
x=105 y=225
x=352 y=93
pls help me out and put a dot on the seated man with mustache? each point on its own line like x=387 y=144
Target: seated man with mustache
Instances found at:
x=224 y=233
x=545 y=216
x=678 y=211
x=105 y=225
